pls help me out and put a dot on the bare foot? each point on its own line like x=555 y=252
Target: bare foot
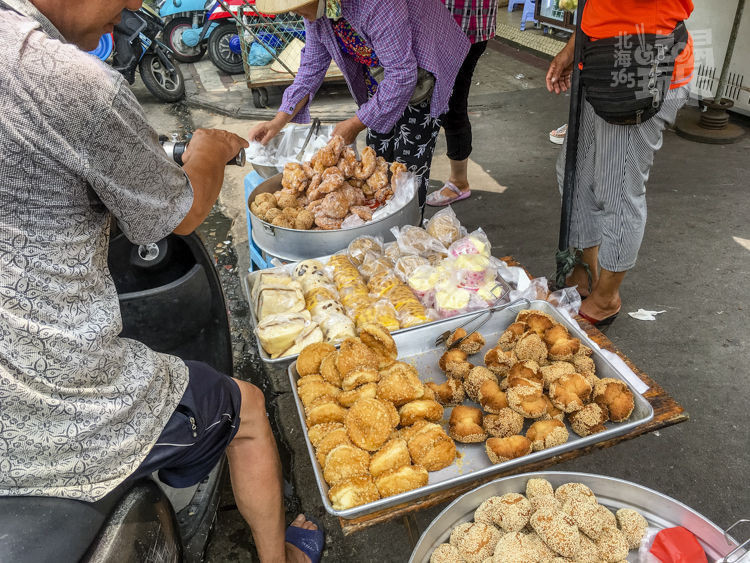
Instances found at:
x=293 y=553
x=447 y=192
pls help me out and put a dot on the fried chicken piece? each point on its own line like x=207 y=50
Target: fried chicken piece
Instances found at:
x=616 y=397
x=329 y=155
x=392 y=455
x=400 y=480
x=319 y=431
x=353 y=353
x=347 y=161
x=400 y=385
x=308 y=361
x=454 y=364
x=359 y=376
x=475 y=541
x=420 y=409
x=448 y=394
x=513 y=512
x=570 y=392
x=505 y=449
x=547 y=434
x=369 y=423
x=508 y=339
x=380 y=341
x=365 y=391
x=324 y=409
x=313 y=391
x=366 y=166
x=471 y=345
x=527 y=401
x=465 y=425
x=499 y=361
x=531 y=347
x=504 y=424
x=491 y=397
x=632 y=525
x=294 y=177
x=354 y=491
x=335 y=438
x=557 y=530
x=429 y=446
x=588 y=420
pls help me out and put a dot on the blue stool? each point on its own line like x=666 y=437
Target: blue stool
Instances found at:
x=513 y=3
x=257 y=260
x=528 y=14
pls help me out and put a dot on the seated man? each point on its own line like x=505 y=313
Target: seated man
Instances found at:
x=81 y=409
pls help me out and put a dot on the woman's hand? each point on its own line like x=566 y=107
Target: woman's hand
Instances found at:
x=561 y=69
x=267 y=130
x=349 y=129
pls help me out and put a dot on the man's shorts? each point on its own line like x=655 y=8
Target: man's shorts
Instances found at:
x=199 y=430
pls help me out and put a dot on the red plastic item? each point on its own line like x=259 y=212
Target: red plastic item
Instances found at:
x=677 y=545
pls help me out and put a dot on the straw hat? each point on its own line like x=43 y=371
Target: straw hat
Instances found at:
x=281 y=6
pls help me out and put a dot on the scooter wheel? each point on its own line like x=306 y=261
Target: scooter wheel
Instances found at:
x=173 y=37
x=165 y=85
x=220 y=51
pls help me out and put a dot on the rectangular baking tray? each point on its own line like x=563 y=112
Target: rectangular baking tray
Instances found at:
x=416 y=347
x=249 y=280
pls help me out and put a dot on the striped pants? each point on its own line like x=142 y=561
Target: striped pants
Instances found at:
x=609 y=205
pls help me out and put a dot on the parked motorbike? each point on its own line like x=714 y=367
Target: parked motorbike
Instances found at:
x=182 y=32
x=135 y=45
x=170 y=299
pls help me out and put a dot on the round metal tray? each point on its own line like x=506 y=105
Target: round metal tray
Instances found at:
x=660 y=510
x=292 y=245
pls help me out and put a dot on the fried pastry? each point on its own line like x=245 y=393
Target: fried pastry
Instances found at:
x=515 y=547
x=421 y=409
x=505 y=449
x=366 y=391
x=531 y=347
x=359 y=376
x=454 y=364
x=333 y=439
x=569 y=491
x=408 y=432
x=589 y=420
x=587 y=551
x=508 y=339
x=552 y=411
x=590 y=517
x=583 y=364
x=328 y=369
x=345 y=461
x=312 y=391
x=471 y=345
x=505 y=423
x=353 y=491
x=392 y=455
x=485 y=512
x=499 y=361
x=538 y=322
x=401 y=479
x=616 y=397
x=512 y=513
x=612 y=545
x=523 y=315
x=446 y=553
x=309 y=379
x=324 y=409
x=557 y=530
x=554 y=370
x=563 y=349
x=527 y=401
x=539 y=488
x=528 y=369
x=379 y=340
x=309 y=359
x=369 y=423
x=632 y=525
x=570 y=392
x=448 y=394
x=431 y=447
x=491 y=397
x=353 y=353
x=319 y=431
x=400 y=384
x=547 y=434
x=465 y=425
x=474 y=380
x=475 y=541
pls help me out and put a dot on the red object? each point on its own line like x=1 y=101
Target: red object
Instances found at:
x=677 y=545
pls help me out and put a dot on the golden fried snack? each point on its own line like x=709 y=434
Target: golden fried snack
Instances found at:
x=421 y=409
x=330 y=154
x=354 y=491
x=448 y=394
x=465 y=425
x=590 y=517
x=287 y=198
x=584 y=364
x=539 y=488
x=491 y=397
x=616 y=396
x=547 y=434
x=379 y=178
x=516 y=547
x=527 y=369
x=304 y=220
x=392 y=455
x=552 y=411
x=319 y=431
x=554 y=370
x=632 y=525
x=353 y=195
x=400 y=480
x=569 y=491
x=328 y=369
x=504 y=424
x=366 y=165
x=570 y=392
x=560 y=345
x=381 y=342
x=557 y=530
x=587 y=552
x=589 y=420
x=505 y=449
x=326 y=223
x=333 y=439
x=546 y=501
x=485 y=512
x=313 y=391
x=612 y=545
x=523 y=315
x=476 y=541
x=353 y=354
x=324 y=409
x=527 y=401
x=309 y=379
x=260 y=210
x=345 y=461
x=518 y=381
x=309 y=359
x=366 y=391
x=362 y=211
x=430 y=447
x=452 y=356
x=359 y=376
x=369 y=423
x=271 y=214
x=400 y=384
x=446 y=553
x=347 y=161
x=531 y=347
x=265 y=198
x=474 y=380
x=538 y=322
x=408 y=432
x=512 y=513
x=471 y=345
x=330 y=181
x=499 y=361
x=508 y=339
x=283 y=221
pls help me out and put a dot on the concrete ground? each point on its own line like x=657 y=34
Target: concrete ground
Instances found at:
x=694 y=265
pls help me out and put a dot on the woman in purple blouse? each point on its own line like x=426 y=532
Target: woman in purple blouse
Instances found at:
x=400 y=59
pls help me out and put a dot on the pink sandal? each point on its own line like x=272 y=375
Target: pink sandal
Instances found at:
x=437 y=199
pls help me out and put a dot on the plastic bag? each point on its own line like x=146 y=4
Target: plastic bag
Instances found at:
x=382 y=283
x=285 y=146
x=380 y=311
x=567 y=299
x=392 y=251
x=422 y=282
x=415 y=240
x=671 y=545
x=472 y=271
x=405 y=266
x=374 y=264
x=360 y=246
x=473 y=243
x=259 y=55
x=445 y=227
x=404 y=190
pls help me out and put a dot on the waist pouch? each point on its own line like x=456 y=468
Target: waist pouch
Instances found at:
x=626 y=78
x=423 y=89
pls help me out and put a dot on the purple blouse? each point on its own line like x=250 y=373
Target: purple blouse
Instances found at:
x=405 y=34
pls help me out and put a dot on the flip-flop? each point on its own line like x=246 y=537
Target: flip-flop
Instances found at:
x=557 y=136
x=599 y=323
x=309 y=542
x=437 y=199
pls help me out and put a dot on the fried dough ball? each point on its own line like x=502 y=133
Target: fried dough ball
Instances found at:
x=587 y=551
x=474 y=380
x=330 y=154
x=612 y=545
x=552 y=411
x=400 y=386
x=485 y=512
x=377 y=337
x=400 y=480
x=538 y=322
x=465 y=425
x=345 y=461
x=499 y=361
x=446 y=553
x=555 y=333
x=491 y=397
x=584 y=364
x=570 y=392
x=260 y=210
x=554 y=370
x=272 y=214
x=546 y=501
x=505 y=449
x=531 y=347
x=632 y=525
x=590 y=517
x=563 y=349
x=304 y=220
x=539 y=488
x=408 y=432
x=528 y=369
x=547 y=434
x=335 y=438
x=517 y=381
x=421 y=409
x=326 y=223
x=513 y=512
x=454 y=364
x=353 y=491
x=324 y=409
x=557 y=530
x=616 y=396
x=313 y=391
x=527 y=401
x=589 y=420
x=508 y=339
x=287 y=198
x=570 y=491
x=309 y=379
x=392 y=455
x=471 y=345
x=523 y=315
x=504 y=424
x=359 y=376
x=448 y=394
x=294 y=177
x=475 y=541
x=369 y=423
x=328 y=369
x=518 y=547
x=353 y=354
x=266 y=198
x=319 y=431
x=367 y=391
x=308 y=361
x=431 y=447
x=283 y=221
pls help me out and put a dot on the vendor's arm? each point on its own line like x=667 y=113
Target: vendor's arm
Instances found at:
x=267 y=130
x=561 y=68
x=390 y=35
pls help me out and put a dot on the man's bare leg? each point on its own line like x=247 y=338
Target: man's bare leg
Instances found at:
x=255 y=469
x=605 y=300
x=580 y=278
x=459 y=177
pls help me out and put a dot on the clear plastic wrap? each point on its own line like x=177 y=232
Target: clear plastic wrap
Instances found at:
x=285 y=146
x=415 y=240
x=473 y=243
x=451 y=300
x=422 y=282
x=471 y=271
x=380 y=311
x=405 y=266
x=274 y=300
x=392 y=251
x=337 y=327
x=445 y=227
x=277 y=333
x=374 y=264
x=361 y=246
x=382 y=283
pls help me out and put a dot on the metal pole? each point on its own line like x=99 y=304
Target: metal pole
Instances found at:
x=730 y=50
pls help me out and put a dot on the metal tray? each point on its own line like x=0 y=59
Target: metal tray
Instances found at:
x=416 y=347
x=249 y=280
x=660 y=510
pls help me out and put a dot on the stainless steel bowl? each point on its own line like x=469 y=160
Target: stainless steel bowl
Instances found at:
x=266 y=171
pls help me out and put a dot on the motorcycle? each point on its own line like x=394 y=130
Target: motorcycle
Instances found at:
x=171 y=299
x=135 y=45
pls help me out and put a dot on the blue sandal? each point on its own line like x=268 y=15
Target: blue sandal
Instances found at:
x=309 y=542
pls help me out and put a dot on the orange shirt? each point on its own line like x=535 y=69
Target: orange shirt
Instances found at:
x=607 y=18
